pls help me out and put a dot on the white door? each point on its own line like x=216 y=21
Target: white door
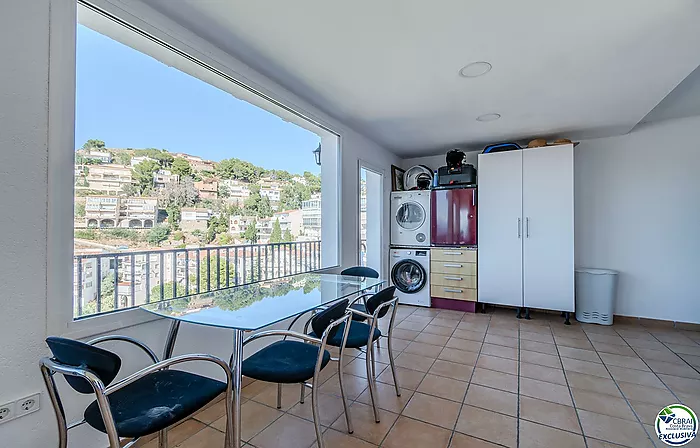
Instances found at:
x=500 y=228
x=548 y=210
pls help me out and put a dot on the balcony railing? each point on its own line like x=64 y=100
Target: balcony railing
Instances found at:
x=107 y=282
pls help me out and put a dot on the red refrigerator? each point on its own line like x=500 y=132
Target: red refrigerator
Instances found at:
x=453 y=217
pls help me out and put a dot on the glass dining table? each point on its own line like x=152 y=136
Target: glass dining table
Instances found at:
x=252 y=307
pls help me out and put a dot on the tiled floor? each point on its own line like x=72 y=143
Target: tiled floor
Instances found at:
x=485 y=380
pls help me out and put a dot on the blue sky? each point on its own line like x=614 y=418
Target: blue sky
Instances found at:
x=131 y=100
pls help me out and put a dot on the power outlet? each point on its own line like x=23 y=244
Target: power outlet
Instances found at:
x=7 y=412
x=27 y=405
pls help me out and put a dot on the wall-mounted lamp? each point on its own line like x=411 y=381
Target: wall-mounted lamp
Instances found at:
x=317 y=155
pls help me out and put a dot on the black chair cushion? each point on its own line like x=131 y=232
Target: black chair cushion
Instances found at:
x=359 y=307
x=284 y=362
x=102 y=363
x=155 y=402
x=357 y=336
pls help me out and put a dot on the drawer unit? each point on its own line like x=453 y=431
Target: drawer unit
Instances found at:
x=453 y=274
x=466 y=255
x=451 y=267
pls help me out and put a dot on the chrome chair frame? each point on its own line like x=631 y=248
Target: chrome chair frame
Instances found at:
x=313 y=385
x=49 y=367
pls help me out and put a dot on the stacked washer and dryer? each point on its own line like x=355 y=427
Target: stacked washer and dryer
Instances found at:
x=410 y=246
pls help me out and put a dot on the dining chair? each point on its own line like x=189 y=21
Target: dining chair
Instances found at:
x=290 y=362
x=360 y=271
x=143 y=403
x=365 y=335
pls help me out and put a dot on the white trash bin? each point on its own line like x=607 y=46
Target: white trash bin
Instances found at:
x=595 y=295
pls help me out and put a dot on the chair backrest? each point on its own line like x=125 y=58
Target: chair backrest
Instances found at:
x=322 y=320
x=376 y=300
x=360 y=271
x=102 y=363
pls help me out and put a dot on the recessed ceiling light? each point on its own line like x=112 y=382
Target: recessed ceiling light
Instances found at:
x=475 y=69
x=488 y=117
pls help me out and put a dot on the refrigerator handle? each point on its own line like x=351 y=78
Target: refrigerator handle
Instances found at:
x=474 y=197
x=519 y=227
x=527 y=227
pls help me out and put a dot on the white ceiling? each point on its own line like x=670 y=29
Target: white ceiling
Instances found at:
x=389 y=69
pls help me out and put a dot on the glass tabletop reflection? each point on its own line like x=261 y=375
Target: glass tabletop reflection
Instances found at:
x=257 y=305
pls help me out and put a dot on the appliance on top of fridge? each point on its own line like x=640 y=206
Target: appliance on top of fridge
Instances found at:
x=453 y=217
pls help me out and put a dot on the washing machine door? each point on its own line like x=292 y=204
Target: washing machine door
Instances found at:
x=410 y=215
x=409 y=276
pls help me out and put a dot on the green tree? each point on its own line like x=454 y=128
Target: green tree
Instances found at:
x=164 y=158
x=174 y=212
x=179 y=289
x=312 y=181
x=86 y=234
x=224 y=191
x=293 y=194
x=143 y=175
x=79 y=210
x=256 y=204
x=124 y=159
x=276 y=235
x=131 y=190
x=212 y=273
x=181 y=167
x=158 y=234
x=251 y=232
x=94 y=144
x=288 y=237
x=238 y=169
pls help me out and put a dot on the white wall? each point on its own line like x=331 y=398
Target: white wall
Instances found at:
x=638 y=211
x=23 y=233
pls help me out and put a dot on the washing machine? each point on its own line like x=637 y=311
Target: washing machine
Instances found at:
x=410 y=273
x=410 y=218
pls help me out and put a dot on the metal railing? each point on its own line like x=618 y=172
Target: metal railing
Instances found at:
x=107 y=282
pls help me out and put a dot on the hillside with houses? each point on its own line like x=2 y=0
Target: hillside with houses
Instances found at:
x=129 y=198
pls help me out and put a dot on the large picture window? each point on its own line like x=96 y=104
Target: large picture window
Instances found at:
x=185 y=181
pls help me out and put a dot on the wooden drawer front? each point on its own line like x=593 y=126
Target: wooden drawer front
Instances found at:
x=460 y=281
x=453 y=255
x=452 y=267
x=451 y=292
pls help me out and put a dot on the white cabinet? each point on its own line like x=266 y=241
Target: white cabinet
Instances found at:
x=526 y=228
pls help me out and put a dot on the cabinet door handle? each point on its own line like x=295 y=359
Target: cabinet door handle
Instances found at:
x=519 y=227
x=452 y=290
x=458 y=279
x=447 y=252
x=452 y=265
x=527 y=227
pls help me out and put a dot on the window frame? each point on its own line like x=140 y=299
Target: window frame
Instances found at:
x=178 y=42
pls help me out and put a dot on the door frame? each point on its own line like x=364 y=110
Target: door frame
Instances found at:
x=368 y=166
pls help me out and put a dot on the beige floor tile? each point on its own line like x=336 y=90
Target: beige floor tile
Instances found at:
x=563 y=341
x=364 y=425
x=540 y=347
x=411 y=326
x=408 y=433
x=358 y=367
x=430 y=312
x=681 y=370
x=478 y=327
x=206 y=438
x=290 y=396
x=542 y=373
x=679 y=384
x=471 y=335
x=454 y=370
x=417 y=318
x=647 y=412
x=606 y=338
x=612 y=429
x=354 y=386
x=589 y=368
x=646 y=394
x=212 y=413
x=547 y=413
x=692 y=360
x=502 y=340
x=492 y=399
x=537 y=337
x=464 y=344
x=386 y=398
x=414 y=362
x=685 y=349
x=409 y=379
x=254 y=418
x=496 y=380
x=397 y=345
x=659 y=355
x=431 y=338
x=595 y=443
x=645 y=378
x=580 y=354
x=507 y=331
x=434 y=410
x=614 y=349
x=427 y=350
x=500 y=351
x=545 y=391
x=459 y=356
x=645 y=343
x=255 y=388
x=330 y=408
x=628 y=362
x=602 y=404
x=407 y=335
x=447 y=323
x=498 y=364
x=497 y=428
x=179 y=433
x=540 y=359
x=286 y=432
x=443 y=387
x=337 y=439
x=593 y=383
x=438 y=330
x=533 y=435
x=462 y=441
